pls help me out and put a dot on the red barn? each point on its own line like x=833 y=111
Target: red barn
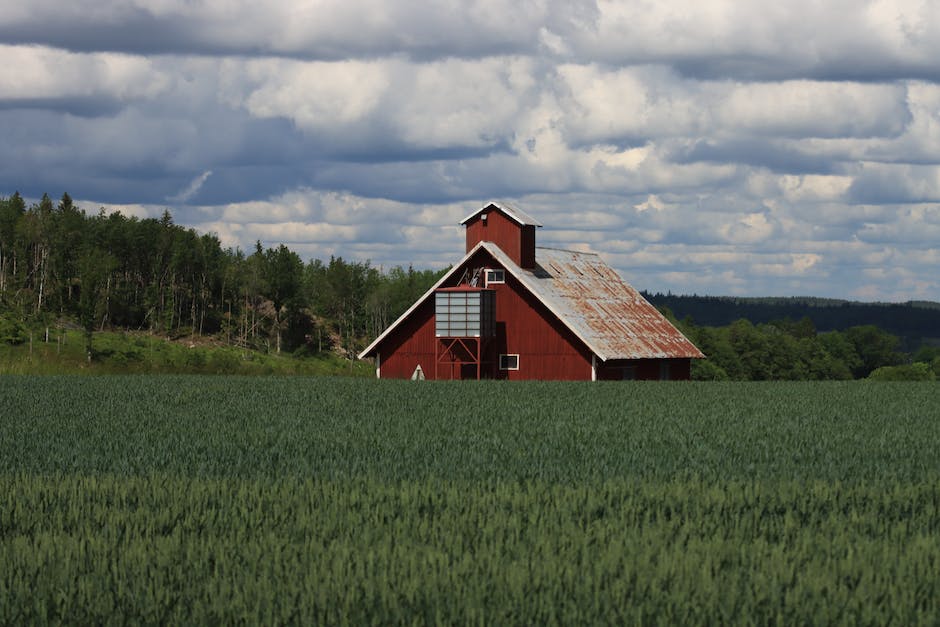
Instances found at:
x=511 y=310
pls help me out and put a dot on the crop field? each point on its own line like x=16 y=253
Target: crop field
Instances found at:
x=227 y=500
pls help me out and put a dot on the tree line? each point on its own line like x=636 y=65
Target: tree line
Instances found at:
x=794 y=350
x=914 y=322
x=59 y=263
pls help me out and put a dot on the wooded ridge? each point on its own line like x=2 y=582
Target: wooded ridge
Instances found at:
x=914 y=322
x=103 y=271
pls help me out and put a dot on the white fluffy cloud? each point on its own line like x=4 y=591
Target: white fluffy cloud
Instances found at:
x=34 y=73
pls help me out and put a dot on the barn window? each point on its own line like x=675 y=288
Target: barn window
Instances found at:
x=664 y=371
x=497 y=275
x=628 y=373
x=509 y=362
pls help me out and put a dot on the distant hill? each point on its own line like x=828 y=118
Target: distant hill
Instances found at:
x=914 y=322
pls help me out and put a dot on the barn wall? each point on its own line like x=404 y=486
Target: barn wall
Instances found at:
x=409 y=345
x=681 y=369
x=645 y=369
x=546 y=349
x=527 y=247
x=518 y=242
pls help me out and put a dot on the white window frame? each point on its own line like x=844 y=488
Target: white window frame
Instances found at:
x=504 y=358
x=493 y=272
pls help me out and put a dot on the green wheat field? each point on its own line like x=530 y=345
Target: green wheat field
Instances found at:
x=232 y=500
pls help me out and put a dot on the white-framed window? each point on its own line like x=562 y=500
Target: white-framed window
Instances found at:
x=495 y=275
x=509 y=362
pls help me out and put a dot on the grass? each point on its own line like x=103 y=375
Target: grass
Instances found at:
x=143 y=353
x=296 y=500
x=570 y=432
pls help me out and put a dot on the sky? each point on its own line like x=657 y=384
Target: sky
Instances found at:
x=720 y=147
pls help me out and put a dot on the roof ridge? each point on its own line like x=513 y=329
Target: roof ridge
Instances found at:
x=514 y=213
x=567 y=250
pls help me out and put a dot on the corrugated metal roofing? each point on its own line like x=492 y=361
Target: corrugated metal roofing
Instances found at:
x=605 y=312
x=512 y=211
x=589 y=297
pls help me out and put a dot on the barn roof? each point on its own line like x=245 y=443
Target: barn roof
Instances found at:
x=510 y=210
x=604 y=311
x=612 y=319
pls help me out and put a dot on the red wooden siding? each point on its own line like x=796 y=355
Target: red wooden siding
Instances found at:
x=546 y=348
x=517 y=241
x=411 y=344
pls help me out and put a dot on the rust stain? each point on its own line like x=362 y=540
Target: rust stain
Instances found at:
x=603 y=309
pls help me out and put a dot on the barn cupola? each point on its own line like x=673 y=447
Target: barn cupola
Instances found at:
x=507 y=227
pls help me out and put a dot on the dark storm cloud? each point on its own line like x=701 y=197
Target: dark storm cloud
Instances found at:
x=87 y=107
x=838 y=41
x=302 y=30
x=864 y=68
x=130 y=29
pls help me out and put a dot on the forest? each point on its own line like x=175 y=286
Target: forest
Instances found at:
x=63 y=267
x=60 y=265
x=914 y=322
x=807 y=338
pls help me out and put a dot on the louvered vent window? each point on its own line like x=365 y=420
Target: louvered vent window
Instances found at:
x=464 y=313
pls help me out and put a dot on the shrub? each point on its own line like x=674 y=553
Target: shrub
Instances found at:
x=706 y=370
x=911 y=372
x=12 y=331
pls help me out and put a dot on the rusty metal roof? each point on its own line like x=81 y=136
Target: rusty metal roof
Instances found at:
x=512 y=211
x=612 y=319
x=604 y=311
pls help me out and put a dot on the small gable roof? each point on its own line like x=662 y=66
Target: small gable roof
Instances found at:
x=612 y=319
x=516 y=214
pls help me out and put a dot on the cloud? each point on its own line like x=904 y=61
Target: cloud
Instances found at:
x=39 y=77
x=815 y=109
x=748 y=229
x=192 y=189
x=882 y=183
x=394 y=105
x=307 y=29
x=835 y=40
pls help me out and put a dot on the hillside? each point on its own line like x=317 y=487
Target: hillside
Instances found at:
x=62 y=268
x=63 y=351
